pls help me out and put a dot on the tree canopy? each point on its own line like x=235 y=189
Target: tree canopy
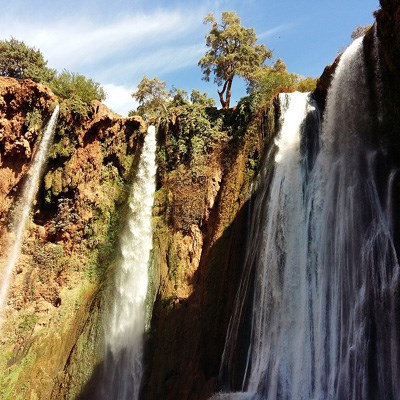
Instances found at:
x=152 y=96
x=232 y=50
x=77 y=91
x=17 y=60
x=155 y=100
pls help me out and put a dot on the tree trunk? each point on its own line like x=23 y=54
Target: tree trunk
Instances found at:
x=221 y=99
x=226 y=88
x=228 y=94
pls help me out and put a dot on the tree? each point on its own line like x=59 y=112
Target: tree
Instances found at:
x=279 y=66
x=179 y=97
x=17 y=60
x=152 y=96
x=232 y=51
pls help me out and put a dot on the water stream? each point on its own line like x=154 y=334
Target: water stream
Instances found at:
x=125 y=327
x=22 y=216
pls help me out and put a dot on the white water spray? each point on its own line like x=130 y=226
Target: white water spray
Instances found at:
x=378 y=73
x=29 y=192
x=123 y=364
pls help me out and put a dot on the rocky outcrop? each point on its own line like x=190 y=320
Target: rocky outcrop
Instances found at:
x=200 y=232
x=324 y=81
x=52 y=326
x=24 y=107
x=388 y=20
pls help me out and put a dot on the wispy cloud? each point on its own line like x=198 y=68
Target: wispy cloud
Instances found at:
x=152 y=64
x=275 y=30
x=157 y=61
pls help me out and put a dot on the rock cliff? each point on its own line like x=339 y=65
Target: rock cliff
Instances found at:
x=52 y=309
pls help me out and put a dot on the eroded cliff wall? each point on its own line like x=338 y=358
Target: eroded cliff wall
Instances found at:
x=52 y=322
x=200 y=219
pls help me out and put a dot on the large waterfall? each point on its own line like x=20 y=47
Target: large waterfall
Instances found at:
x=125 y=327
x=22 y=215
x=321 y=275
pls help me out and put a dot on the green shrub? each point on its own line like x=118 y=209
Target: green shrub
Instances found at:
x=77 y=91
x=269 y=81
x=197 y=131
x=28 y=322
x=33 y=120
x=64 y=149
x=306 y=85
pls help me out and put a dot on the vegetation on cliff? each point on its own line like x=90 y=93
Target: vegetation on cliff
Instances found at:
x=17 y=60
x=77 y=91
x=152 y=96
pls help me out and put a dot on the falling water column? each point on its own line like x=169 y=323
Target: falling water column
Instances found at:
x=125 y=328
x=29 y=193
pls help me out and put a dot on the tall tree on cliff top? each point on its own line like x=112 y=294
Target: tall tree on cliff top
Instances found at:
x=232 y=51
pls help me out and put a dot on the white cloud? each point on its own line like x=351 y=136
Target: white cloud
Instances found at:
x=119 y=99
x=157 y=61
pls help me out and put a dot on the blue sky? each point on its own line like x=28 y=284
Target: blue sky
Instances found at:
x=118 y=42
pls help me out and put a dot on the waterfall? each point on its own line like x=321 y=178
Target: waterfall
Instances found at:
x=125 y=327
x=29 y=192
x=378 y=73
x=321 y=266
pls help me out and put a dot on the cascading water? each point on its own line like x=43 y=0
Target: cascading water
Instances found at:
x=324 y=320
x=125 y=328
x=29 y=192
x=378 y=73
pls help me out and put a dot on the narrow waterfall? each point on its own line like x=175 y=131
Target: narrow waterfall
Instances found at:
x=21 y=217
x=322 y=274
x=125 y=328
x=378 y=74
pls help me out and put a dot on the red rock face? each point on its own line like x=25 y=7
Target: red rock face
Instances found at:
x=18 y=138
x=25 y=108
